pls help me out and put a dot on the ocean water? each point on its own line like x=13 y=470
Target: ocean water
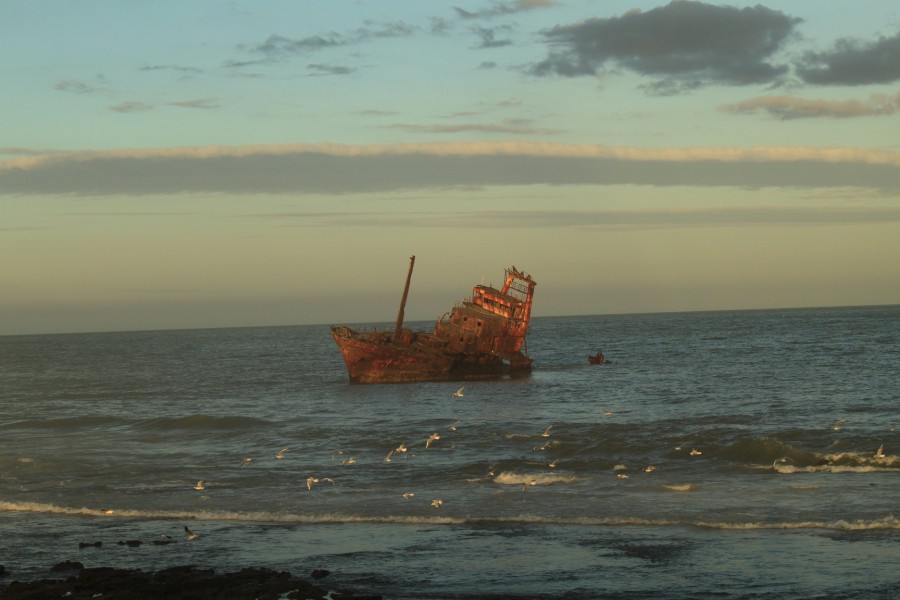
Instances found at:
x=761 y=428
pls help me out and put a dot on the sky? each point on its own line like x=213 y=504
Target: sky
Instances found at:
x=213 y=163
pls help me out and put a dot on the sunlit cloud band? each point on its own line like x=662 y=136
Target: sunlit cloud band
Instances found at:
x=336 y=168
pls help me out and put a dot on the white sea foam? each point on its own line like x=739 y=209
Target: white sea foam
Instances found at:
x=508 y=478
x=682 y=487
x=790 y=469
x=888 y=522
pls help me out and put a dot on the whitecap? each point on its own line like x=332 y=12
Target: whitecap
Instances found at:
x=507 y=478
x=681 y=487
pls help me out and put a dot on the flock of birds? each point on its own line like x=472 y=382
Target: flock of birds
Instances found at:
x=437 y=503
x=311 y=480
x=429 y=441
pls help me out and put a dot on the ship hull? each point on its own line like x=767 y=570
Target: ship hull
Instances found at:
x=374 y=358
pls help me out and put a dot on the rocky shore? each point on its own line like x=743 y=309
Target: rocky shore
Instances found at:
x=73 y=580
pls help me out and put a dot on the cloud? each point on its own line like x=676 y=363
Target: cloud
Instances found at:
x=19 y=151
x=131 y=107
x=377 y=113
x=488 y=39
x=789 y=107
x=344 y=169
x=204 y=103
x=497 y=9
x=617 y=219
x=853 y=62
x=319 y=69
x=76 y=87
x=508 y=126
x=682 y=43
x=185 y=71
x=277 y=48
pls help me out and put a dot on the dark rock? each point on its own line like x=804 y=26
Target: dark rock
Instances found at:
x=132 y=543
x=90 y=544
x=67 y=565
x=176 y=583
x=3 y=572
x=320 y=573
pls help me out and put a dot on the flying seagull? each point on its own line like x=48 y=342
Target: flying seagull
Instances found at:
x=200 y=486
x=190 y=534
x=459 y=393
x=437 y=502
x=280 y=453
x=245 y=461
x=431 y=438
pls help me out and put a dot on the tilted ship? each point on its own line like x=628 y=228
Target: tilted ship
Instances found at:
x=481 y=337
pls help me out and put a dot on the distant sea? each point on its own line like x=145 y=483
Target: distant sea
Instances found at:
x=721 y=454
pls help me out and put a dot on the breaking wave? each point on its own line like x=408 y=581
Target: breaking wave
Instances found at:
x=889 y=522
x=683 y=487
x=507 y=478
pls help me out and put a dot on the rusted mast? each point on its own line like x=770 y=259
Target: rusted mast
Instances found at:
x=396 y=337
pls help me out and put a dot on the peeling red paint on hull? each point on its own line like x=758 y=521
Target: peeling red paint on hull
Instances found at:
x=372 y=358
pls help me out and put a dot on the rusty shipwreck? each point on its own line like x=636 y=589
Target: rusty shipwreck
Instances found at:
x=481 y=337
